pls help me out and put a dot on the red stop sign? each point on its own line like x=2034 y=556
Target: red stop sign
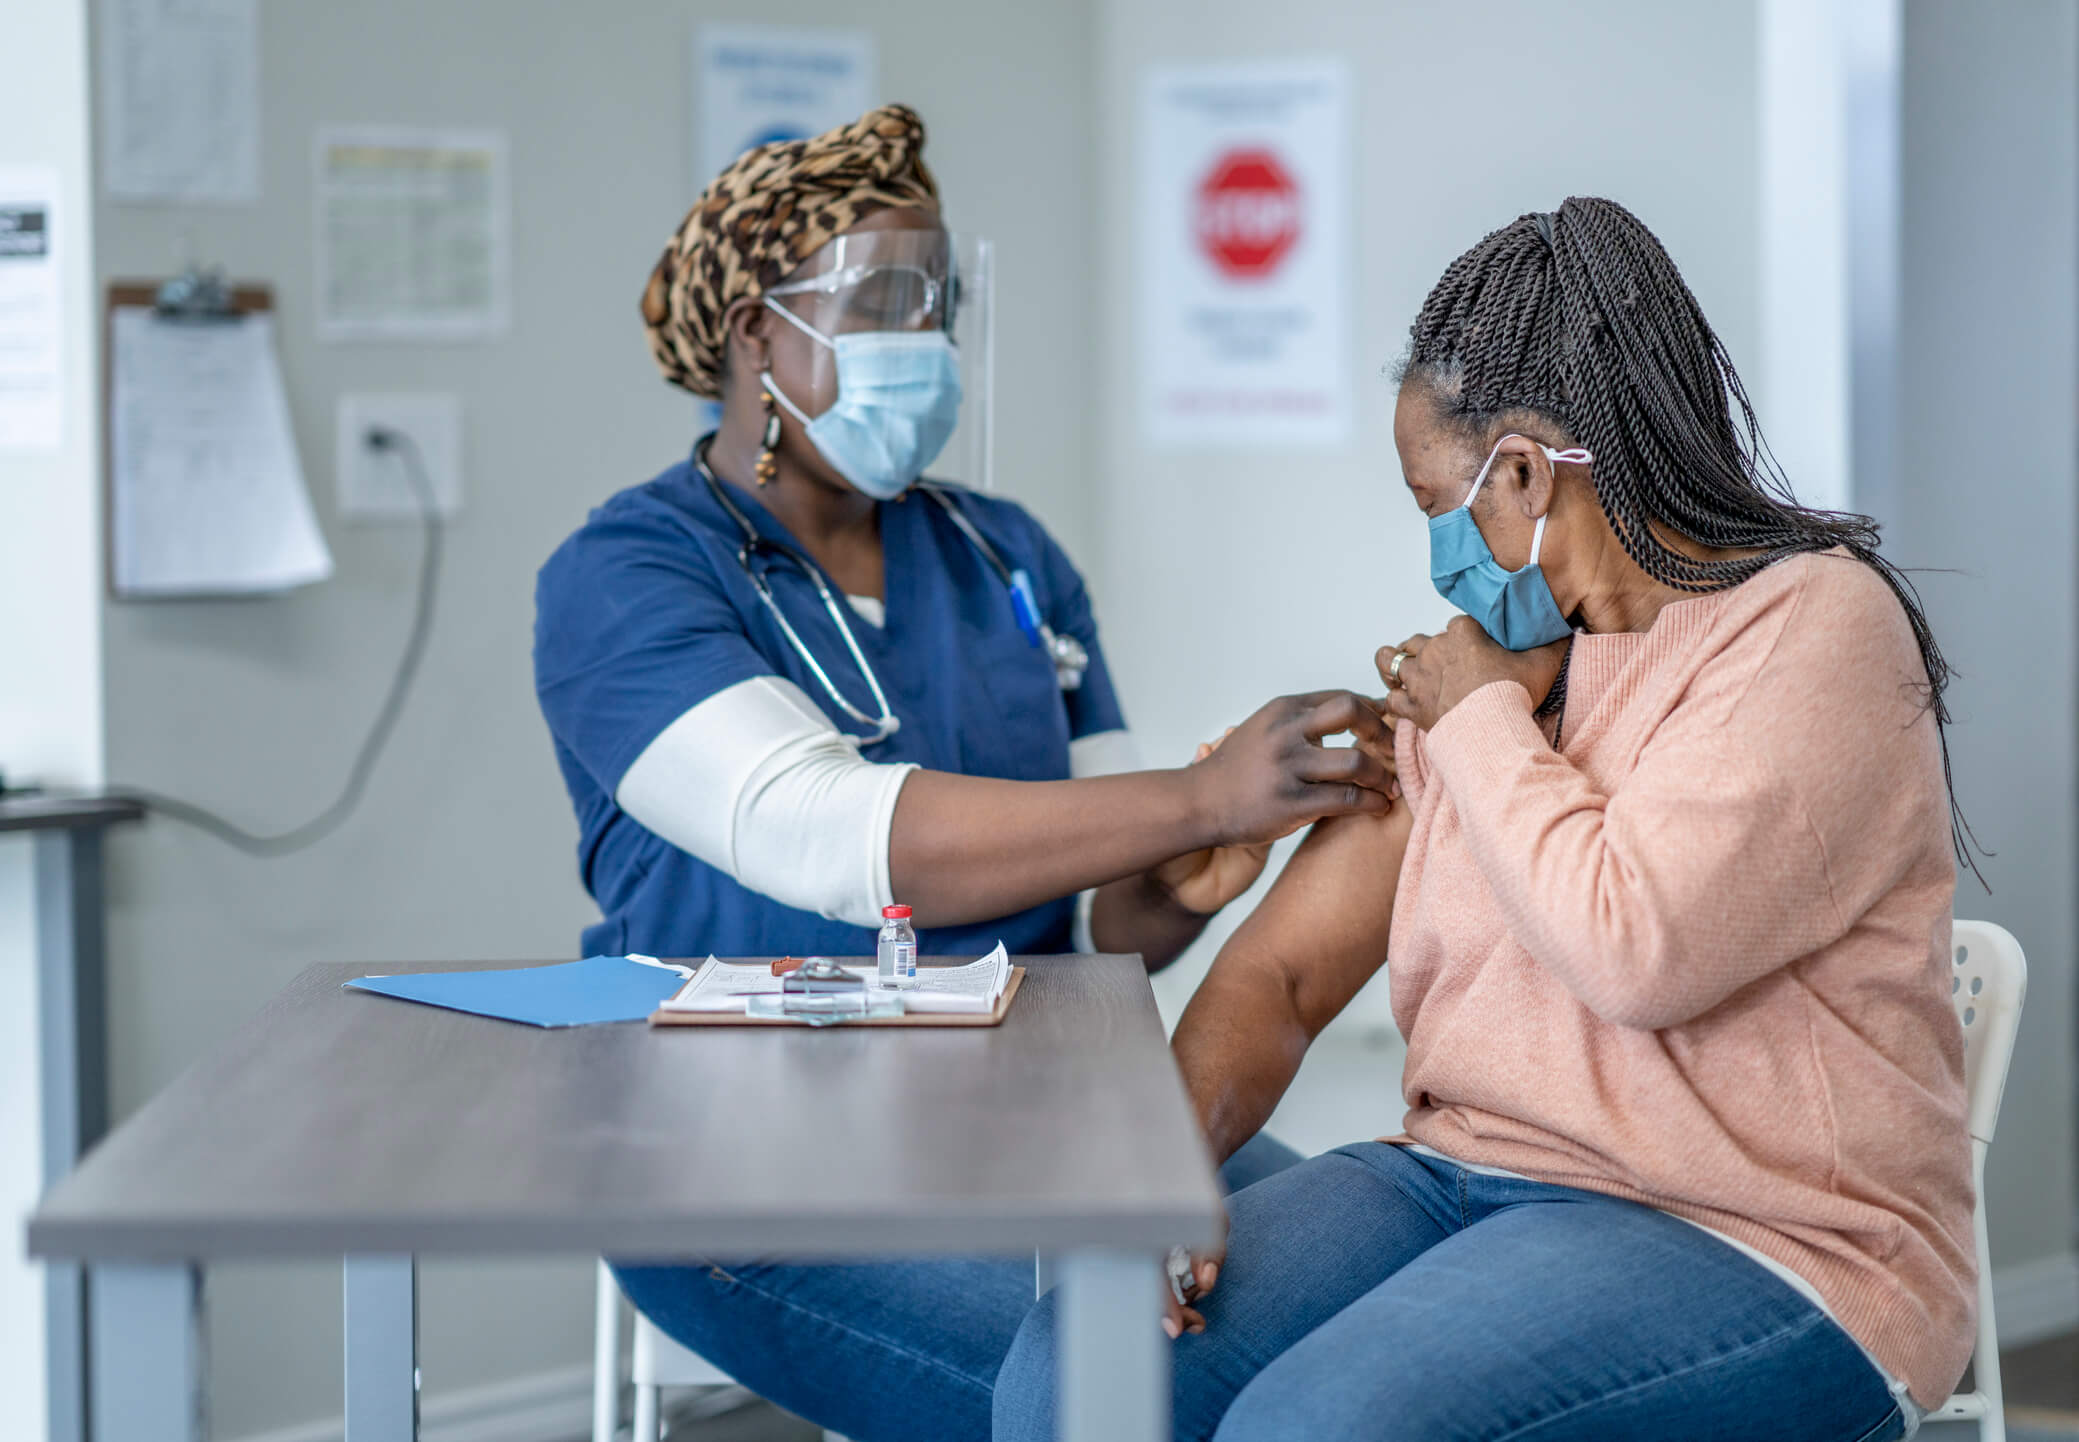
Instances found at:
x=1248 y=214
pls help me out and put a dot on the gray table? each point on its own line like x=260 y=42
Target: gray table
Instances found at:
x=71 y=1029
x=343 y=1123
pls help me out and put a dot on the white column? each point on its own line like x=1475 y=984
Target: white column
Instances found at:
x=50 y=636
x=1829 y=159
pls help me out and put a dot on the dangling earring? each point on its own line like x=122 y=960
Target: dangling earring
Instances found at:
x=768 y=466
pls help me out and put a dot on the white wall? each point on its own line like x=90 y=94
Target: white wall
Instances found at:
x=50 y=637
x=1986 y=488
x=1467 y=116
x=465 y=845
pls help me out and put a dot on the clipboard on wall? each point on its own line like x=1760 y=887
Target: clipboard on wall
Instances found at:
x=203 y=488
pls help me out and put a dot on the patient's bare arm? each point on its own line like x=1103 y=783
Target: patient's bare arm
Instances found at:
x=1318 y=936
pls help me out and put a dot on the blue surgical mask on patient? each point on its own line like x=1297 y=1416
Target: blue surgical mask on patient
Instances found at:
x=1514 y=607
x=898 y=398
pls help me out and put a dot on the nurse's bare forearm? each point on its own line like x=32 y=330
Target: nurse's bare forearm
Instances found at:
x=970 y=848
x=1140 y=914
x=973 y=848
x=1288 y=971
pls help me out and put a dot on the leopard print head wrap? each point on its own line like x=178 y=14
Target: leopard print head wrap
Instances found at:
x=761 y=218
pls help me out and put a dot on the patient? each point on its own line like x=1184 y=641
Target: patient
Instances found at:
x=1668 y=904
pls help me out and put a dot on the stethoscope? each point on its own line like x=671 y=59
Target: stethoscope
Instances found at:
x=1070 y=658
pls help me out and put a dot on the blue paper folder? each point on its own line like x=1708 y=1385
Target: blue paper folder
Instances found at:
x=576 y=993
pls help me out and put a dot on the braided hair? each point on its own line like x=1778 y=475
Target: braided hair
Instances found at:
x=1578 y=319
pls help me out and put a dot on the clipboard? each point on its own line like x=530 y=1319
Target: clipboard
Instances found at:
x=731 y=1018
x=203 y=484
x=197 y=303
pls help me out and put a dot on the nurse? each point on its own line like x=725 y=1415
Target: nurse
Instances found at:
x=789 y=685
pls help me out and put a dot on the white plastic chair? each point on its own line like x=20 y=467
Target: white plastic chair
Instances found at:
x=1988 y=978
x=655 y=1362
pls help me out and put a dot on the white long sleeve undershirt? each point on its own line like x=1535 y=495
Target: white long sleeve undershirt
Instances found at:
x=756 y=782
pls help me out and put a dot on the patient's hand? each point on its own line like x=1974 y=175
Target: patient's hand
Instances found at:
x=1435 y=673
x=1181 y=1317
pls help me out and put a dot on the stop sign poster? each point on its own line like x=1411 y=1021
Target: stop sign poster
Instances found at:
x=1244 y=251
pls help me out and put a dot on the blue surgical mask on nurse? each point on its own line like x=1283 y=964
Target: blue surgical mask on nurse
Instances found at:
x=898 y=398
x=1516 y=608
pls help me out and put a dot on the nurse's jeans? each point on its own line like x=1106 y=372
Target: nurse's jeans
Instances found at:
x=1374 y=1293
x=902 y=1351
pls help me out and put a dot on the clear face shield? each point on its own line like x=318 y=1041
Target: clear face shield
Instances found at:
x=878 y=309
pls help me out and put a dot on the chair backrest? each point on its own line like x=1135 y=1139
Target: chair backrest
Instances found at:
x=1987 y=978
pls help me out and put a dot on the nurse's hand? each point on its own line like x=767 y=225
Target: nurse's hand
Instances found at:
x=1271 y=775
x=1205 y=881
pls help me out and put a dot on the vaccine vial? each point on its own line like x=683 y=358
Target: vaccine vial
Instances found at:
x=897 y=952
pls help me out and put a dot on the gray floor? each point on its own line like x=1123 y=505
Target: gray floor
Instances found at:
x=754 y=1421
x=763 y=1422
x=758 y=1422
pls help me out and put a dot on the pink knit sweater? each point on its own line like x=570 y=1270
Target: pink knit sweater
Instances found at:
x=1698 y=956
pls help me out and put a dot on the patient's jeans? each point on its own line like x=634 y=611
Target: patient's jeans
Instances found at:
x=1370 y=1293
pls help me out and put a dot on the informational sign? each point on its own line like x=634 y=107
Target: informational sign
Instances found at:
x=1245 y=255
x=753 y=84
x=180 y=100
x=32 y=412
x=414 y=235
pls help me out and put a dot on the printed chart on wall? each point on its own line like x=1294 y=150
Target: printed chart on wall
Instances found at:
x=1244 y=194
x=414 y=235
x=753 y=84
x=32 y=416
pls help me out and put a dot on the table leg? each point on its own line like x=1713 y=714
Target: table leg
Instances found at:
x=606 y=1355
x=71 y=1028
x=1046 y=1273
x=382 y=1349
x=1114 y=1359
x=146 y=1320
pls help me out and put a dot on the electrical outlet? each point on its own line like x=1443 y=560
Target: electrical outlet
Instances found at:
x=374 y=485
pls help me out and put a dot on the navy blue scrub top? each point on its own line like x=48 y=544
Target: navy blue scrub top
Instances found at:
x=646 y=611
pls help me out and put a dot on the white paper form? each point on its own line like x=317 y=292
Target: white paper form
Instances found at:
x=206 y=491
x=180 y=100
x=722 y=986
x=32 y=395
x=973 y=987
x=725 y=986
x=414 y=235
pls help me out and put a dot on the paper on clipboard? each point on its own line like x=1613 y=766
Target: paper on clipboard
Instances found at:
x=724 y=987
x=206 y=489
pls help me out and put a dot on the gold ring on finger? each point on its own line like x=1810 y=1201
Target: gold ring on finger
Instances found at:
x=1393 y=670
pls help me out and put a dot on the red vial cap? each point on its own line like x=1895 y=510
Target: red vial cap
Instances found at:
x=896 y=913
